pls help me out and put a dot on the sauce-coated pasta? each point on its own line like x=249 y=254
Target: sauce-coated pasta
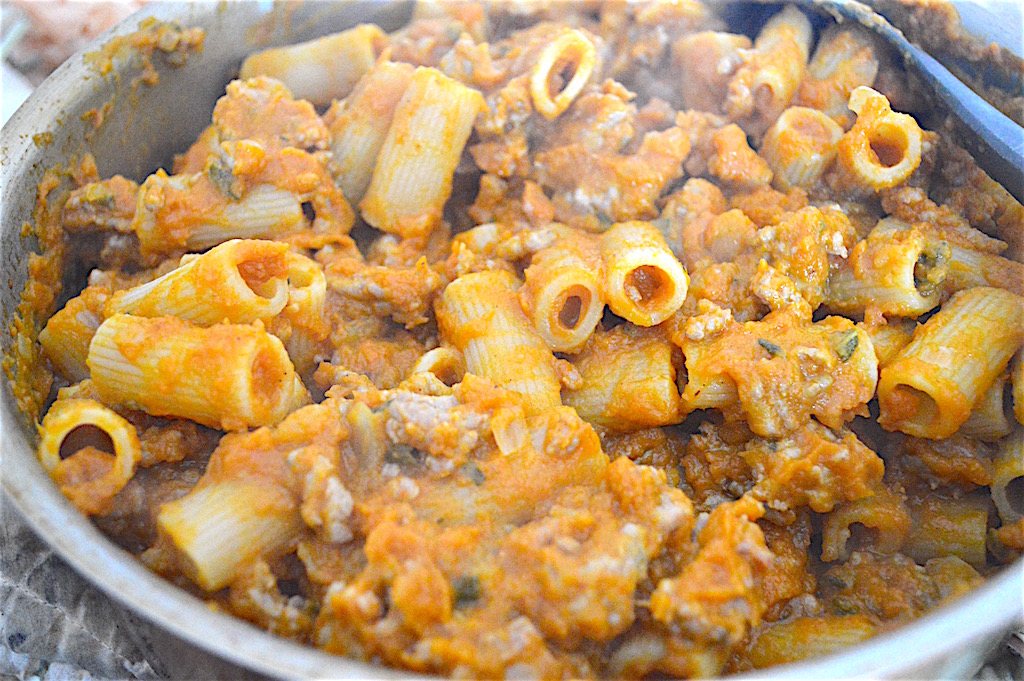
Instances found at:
x=581 y=340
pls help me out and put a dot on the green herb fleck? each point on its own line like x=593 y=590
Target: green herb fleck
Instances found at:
x=223 y=179
x=403 y=455
x=473 y=472
x=931 y=268
x=846 y=344
x=467 y=590
x=771 y=348
x=100 y=196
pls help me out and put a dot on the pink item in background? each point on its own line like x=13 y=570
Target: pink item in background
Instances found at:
x=59 y=28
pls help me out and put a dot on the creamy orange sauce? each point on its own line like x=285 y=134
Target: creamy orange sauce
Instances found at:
x=460 y=524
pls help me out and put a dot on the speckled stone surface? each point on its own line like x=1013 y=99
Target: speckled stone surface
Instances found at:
x=56 y=627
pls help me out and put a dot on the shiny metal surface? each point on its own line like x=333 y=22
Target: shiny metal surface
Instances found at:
x=143 y=128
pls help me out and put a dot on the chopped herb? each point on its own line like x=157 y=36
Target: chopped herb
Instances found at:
x=403 y=455
x=452 y=33
x=771 y=348
x=931 y=268
x=846 y=344
x=101 y=196
x=467 y=590
x=845 y=605
x=471 y=471
x=223 y=179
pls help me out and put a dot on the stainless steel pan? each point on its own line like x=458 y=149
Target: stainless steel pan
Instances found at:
x=143 y=127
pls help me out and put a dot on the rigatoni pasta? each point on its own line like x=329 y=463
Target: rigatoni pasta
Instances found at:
x=563 y=292
x=882 y=148
x=642 y=280
x=222 y=526
x=929 y=388
x=323 y=69
x=480 y=316
x=800 y=146
x=65 y=338
x=226 y=376
x=412 y=177
x=88 y=476
x=551 y=91
x=546 y=341
x=238 y=281
x=359 y=125
x=627 y=380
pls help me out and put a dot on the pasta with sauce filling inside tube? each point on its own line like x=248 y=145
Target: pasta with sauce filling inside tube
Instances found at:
x=481 y=347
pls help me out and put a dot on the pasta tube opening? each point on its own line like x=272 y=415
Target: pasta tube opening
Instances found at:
x=915 y=405
x=883 y=148
x=561 y=72
x=1008 y=478
x=90 y=451
x=574 y=301
x=930 y=387
x=83 y=436
x=889 y=143
x=445 y=363
x=649 y=287
x=261 y=280
x=1015 y=495
x=562 y=294
x=570 y=317
x=644 y=282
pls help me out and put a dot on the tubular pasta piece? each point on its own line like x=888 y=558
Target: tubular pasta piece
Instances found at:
x=1008 y=478
x=322 y=69
x=628 y=380
x=221 y=527
x=479 y=315
x=763 y=87
x=884 y=513
x=189 y=212
x=799 y=147
x=359 y=125
x=238 y=281
x=947 y=527
x=895 y=271
x=562 y=294
x=62 y=420
x=843 y=60
x=227 y=376
x=928 y=389
x=66 y=336
x=552 y=92
x=444 y=362
x=804 y=637
x=991 y=416
x=883 y=147
x=643 y=280
x=412 y=179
